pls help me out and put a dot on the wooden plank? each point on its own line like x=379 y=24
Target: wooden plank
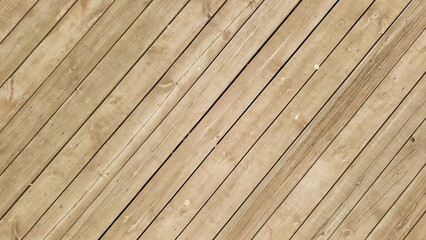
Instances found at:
x=366 y=168
x=331 y=163
x=251 y=125
x=290 y=123
x=64 y=80
x=295 y=29
x=11 y=12
x=143 y=120
x=337 y=157
x=403 y=215
x=129 y=92
x=384 y=192
x=67 y=120
x=29 y=33
x=185 y=115
x=217 y=119
x=47 y=56
x=419 y=230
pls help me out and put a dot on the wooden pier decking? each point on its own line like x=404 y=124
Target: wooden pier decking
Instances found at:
x=212 y=119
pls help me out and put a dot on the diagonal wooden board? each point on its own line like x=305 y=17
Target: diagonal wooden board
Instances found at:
x=368 y=165
x=68 y=32
x=406 y=211
x=64 y=80
x=11 y=13
x=26 y=36
x=212 y=119
x=336 y=158
x=237 y=54
x=290 y=122
x=211 y=32
x=387 y=188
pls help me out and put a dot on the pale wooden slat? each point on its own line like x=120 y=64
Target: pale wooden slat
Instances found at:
x=11 y=12
x=185 y=115
x=251 y=125
x=180 y=165
x=121 y=101
x=142 y=121
x=342 y=151
x=151 y=120
x=366 y=168
x=66 y=121
x=37 y=67
x=64 y=80
x=405 y=212
x=279 y=136
x=385 y=191
x=419 y=230
x=28 y=34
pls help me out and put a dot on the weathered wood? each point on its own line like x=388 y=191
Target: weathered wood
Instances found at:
x=419 y=230
x=251 y=125
x=49 y=141
x=212 y=119
x=121 y=101
x=386 y=189
x=11 y=12
x=366 y=168
x=142 y=121
x=225 y=112
x=290 y=123
x=185 y=115
x=25 y=37
x=352 y=139
x=65 y=79
x=407 y=210
x=46 y=57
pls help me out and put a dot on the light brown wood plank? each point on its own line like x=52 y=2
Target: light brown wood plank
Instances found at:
x=274 y=52
x=65 y=79
x=185 y=115
x=290 y=123
x=144 y=119
x=212 y=119
x=350 y=141
x=366 y=168
x=407 y=210
x=122 y=100
x=48 y=55
x=251 y=125
x=11 y=12
x=385 y=191
x=419 y=230
x=83 y=101
x=29 y=33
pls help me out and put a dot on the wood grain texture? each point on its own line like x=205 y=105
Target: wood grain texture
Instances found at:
x=183 y=117
x=385 y=191
x=326 y=216
x=25 y=37
x=240 y=138
x=328 y=164
x=124 y=96
x=290 y=123
x=405 y=212
x=11 y=13
x=46 y=57
x=73 y=109
x=419 y=230
x=212 y=119
x=65 y=79
x=147 y=115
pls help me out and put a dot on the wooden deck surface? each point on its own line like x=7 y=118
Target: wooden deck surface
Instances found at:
x=212 y=119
